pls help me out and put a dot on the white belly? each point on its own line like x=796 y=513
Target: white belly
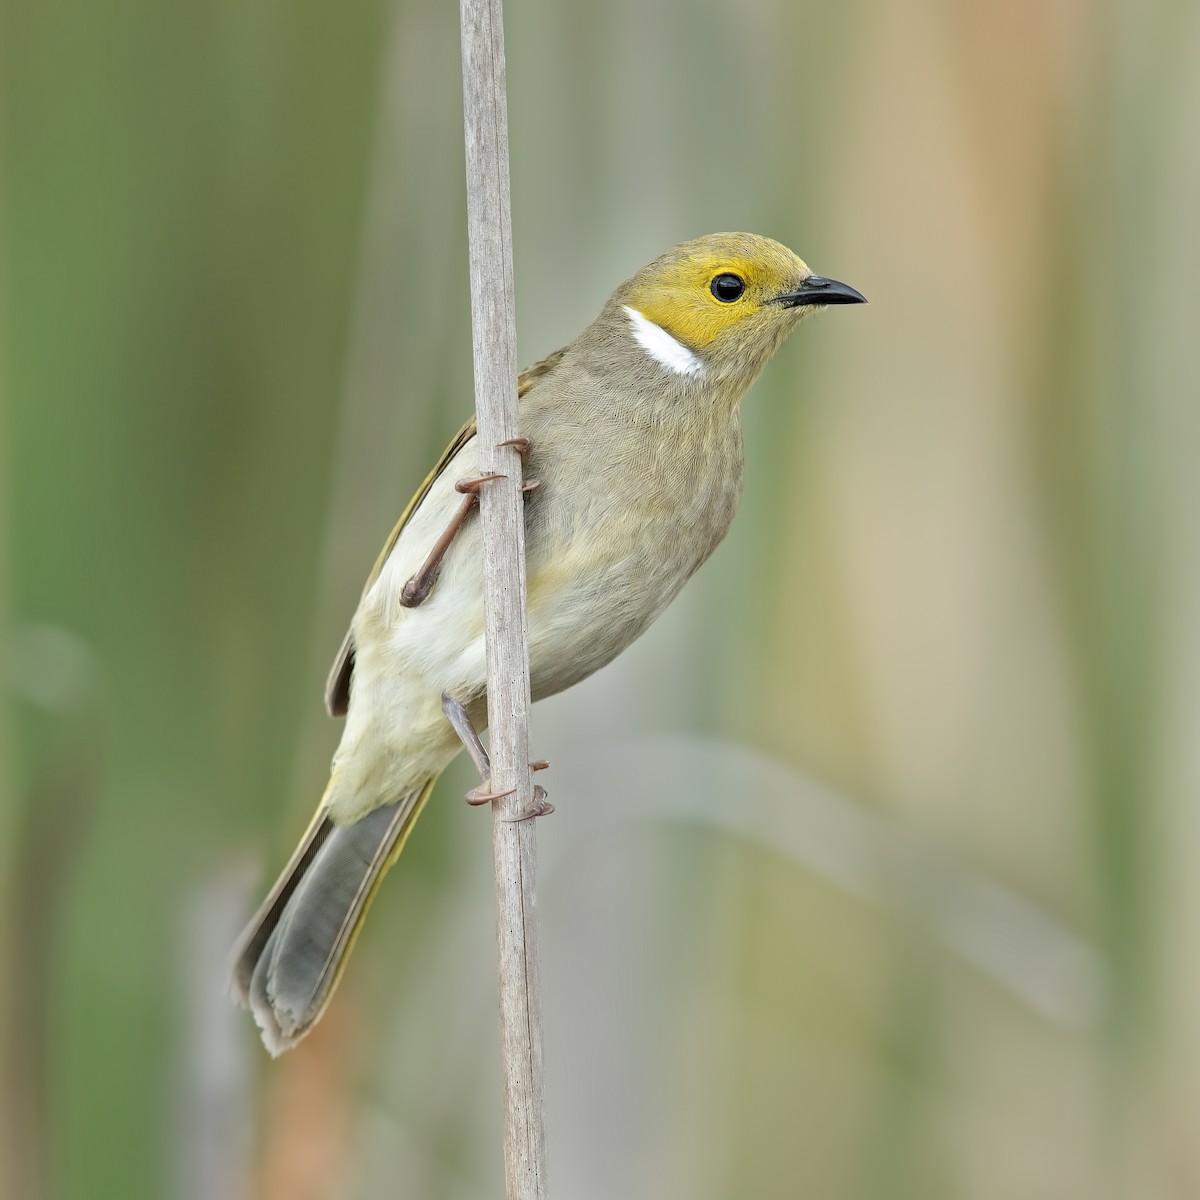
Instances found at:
x=600 y=568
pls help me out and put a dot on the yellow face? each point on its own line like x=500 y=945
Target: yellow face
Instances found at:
x=706 y=292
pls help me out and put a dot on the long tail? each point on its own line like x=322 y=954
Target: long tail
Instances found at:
x=291 y=956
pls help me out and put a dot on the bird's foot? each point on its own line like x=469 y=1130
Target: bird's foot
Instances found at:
x=421 y=584
x=460 y=720
x=470 y=487
x=522 y=445
x=417 y=588
x=483 y=794
x=539 y=807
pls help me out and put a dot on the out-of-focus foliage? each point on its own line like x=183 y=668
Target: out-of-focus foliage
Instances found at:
x=962 y=593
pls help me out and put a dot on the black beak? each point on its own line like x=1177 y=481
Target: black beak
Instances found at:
x=816 y=289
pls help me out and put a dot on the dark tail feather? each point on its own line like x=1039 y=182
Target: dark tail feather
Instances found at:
x=291 y=955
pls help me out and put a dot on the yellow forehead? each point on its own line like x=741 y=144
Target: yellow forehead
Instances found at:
x=675 y=291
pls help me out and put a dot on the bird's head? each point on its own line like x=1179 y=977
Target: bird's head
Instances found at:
x=716 y=308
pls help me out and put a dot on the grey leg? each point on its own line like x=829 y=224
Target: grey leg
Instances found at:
x=456 y=714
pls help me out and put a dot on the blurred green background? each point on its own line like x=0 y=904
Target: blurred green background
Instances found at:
x=873 y=873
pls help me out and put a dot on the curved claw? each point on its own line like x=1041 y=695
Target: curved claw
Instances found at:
x=522 y=445
x=483 y=794
x=472 y=486
x=540 y=807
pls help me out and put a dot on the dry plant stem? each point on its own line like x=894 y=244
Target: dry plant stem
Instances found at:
x=493 y=323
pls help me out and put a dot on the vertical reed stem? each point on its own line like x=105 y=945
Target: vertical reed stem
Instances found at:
x=493 y=323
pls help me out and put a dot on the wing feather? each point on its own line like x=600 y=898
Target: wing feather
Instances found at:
x=337 y=686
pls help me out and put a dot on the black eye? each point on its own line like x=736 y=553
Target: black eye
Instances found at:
x=727 y=287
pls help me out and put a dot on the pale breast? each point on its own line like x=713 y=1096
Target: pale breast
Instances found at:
x=614 y=533
x=622 y=518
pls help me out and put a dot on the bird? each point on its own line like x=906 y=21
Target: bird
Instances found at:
x=632 y=452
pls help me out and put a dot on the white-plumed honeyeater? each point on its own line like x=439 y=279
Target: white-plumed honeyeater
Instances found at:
x=633 y=459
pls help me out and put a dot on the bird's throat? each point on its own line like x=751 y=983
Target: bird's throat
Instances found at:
x=670 y=353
